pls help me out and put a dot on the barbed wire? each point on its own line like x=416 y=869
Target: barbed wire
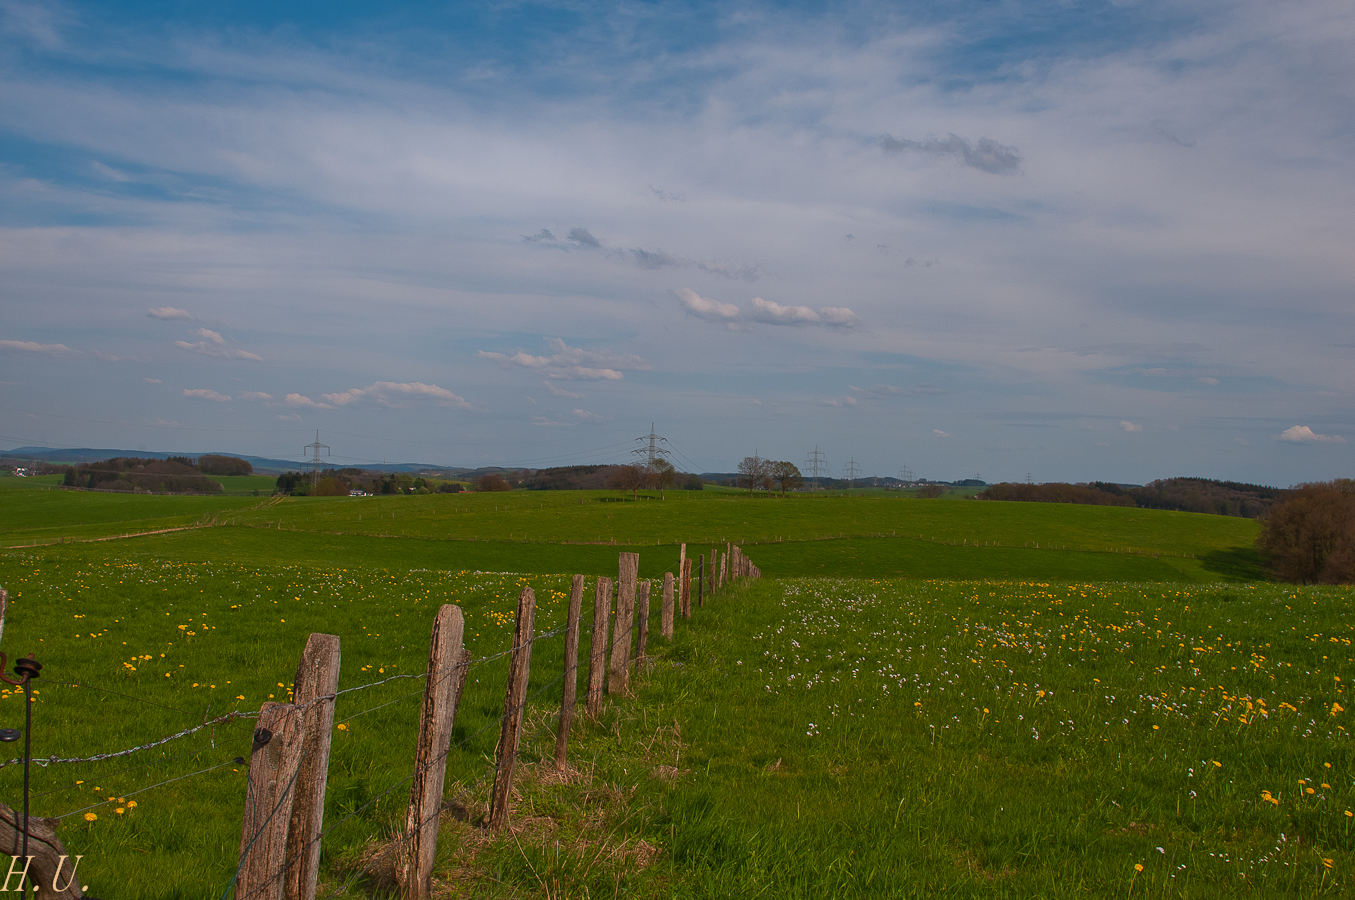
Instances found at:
x=101 y=757
x=439 y=760
x=116 y=772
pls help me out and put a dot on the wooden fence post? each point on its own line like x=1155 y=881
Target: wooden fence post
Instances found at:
x=510 y=733
x=714 y=569
x=641 y=622
x=570 y=693
x=317 y=681
x=48 y=859
x=724 y=569
x=273 y=766
x=666 y=610
x=619 y=680
x=597 y=649
x=436 y=718
x=685 y=589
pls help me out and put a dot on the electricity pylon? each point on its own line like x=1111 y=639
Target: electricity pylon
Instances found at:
x=649 y=448
x=852 y=471
x=816 y=464
x=314 y=462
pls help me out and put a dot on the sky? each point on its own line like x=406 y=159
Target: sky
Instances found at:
x=1062 y=241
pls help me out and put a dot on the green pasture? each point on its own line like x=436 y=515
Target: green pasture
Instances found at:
x=134 y=650
x=801 y=737
x=879 y=738
x=923 y=697
x=805 y=534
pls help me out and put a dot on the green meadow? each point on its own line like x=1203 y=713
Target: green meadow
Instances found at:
x=919 y=697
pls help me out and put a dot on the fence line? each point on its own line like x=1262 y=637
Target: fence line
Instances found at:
x=738 y=566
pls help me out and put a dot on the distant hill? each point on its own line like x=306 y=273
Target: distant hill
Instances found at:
x=262 y=465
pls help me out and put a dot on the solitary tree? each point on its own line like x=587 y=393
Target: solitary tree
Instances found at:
x=629 y=478
x=662 y=474
x=755 y=471
x=787 y=475
x=1310 y=536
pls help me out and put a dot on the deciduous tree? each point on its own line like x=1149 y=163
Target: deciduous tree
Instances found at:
x=755 y=471
x=787 y=475
x=1310 y=535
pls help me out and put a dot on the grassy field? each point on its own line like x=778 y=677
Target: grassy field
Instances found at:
x=804 y=737
x=963 y=712
x=881 y=738
x=806 y=534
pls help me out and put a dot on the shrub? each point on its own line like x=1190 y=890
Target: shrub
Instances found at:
x=1310 y=536
x=494 y=482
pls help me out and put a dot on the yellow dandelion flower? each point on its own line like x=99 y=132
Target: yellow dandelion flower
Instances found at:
x=1138 y=867
x=90 y=817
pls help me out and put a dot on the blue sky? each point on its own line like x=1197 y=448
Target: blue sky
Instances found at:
x=1066 y=240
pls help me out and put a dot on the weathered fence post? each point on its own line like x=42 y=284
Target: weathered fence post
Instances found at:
x=666 y=610
x=685 y=589
x=317 y=681
x=47 y=858
x=4 y=605
x=273 y=767
x=571 y=689
x=701 y=580
x=436 y=719
x=641 y=622
x=629 y=568
x=510 y=733
x=714 y=570
x=724 y=569
x=597 y=649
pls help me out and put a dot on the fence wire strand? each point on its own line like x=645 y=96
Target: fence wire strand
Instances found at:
x=441 y=758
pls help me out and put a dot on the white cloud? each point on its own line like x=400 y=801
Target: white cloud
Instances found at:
x=32 y=347
x=840 y=401
x=937 y=432
x=168 y=312
x=584 y=415
x=772 y=313
x=152 y=381
x=1130 y=426
x=572 y=362
x=392 y=393
x=304 y=401
x=204 y=394
x=288 y=417
x=213 y=344
x=702 y=308
x=255 y=395
x=1302 y=434
x=1208 y=380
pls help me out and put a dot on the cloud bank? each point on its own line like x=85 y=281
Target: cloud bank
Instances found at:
x=767 y=312
x=572 y=362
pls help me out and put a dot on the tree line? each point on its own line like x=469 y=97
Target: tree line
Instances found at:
x=174 y=475
x=1202 y=495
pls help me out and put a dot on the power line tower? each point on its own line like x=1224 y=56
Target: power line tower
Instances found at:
x=906 y=475
x=816 y=464
x=649 y=448
x=852 y=471
x=314 y=462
